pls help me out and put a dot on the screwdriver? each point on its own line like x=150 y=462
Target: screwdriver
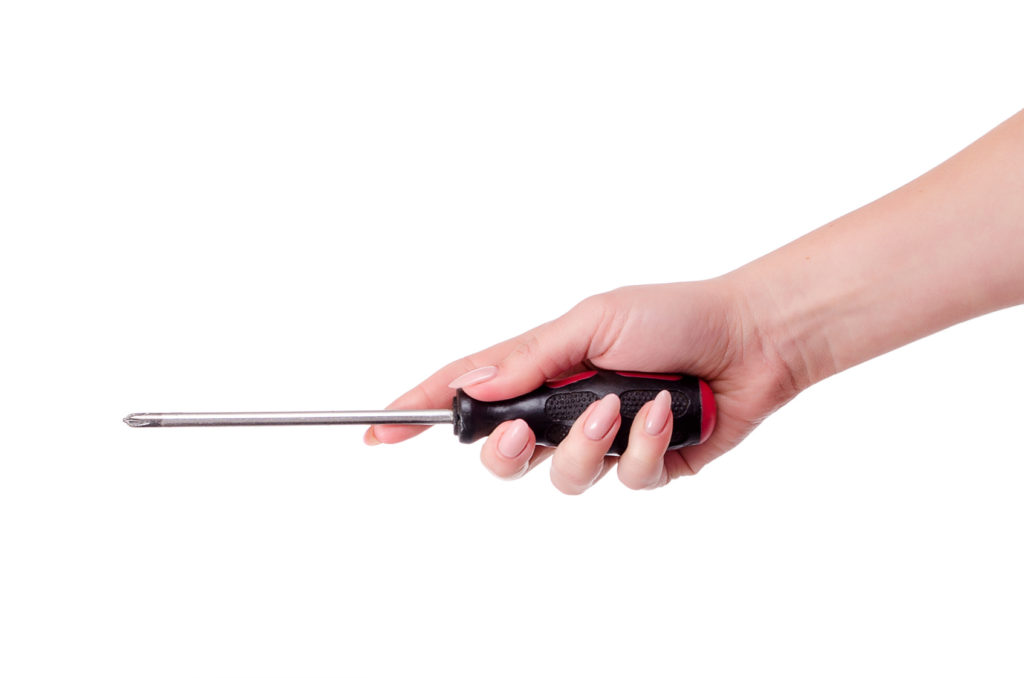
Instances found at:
x=549 y=410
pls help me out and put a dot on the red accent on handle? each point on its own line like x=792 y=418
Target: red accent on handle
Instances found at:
x=708 y=411
x=565 y=381
x=648 y=375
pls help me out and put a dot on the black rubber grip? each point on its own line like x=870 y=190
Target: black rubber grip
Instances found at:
x=551 y=409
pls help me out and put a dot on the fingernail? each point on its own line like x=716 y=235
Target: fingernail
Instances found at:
x=602 y=417
x=513 y=440
x=369 y=438
x=658 y=414
x=479 y=375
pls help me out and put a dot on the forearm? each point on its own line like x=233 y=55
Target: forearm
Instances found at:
x=947 y=247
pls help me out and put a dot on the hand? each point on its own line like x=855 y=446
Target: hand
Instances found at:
x=707 y=329
x=944 y=248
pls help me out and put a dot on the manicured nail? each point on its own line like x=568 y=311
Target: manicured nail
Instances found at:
x=369 y=438
x=658 y=414
x=477 y=376
x=513 y=440
x=602 y=418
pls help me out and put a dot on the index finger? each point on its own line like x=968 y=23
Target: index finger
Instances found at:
x=519 y=365
x=433 y=393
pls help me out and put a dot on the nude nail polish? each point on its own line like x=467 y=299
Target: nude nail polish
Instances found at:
x=477 y=376
x=602 y=417
x=513 y=440
x=658 y=414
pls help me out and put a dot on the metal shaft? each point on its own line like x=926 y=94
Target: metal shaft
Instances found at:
x=289 y=418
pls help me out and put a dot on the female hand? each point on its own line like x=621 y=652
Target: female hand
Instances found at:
x=706 y=329
x=944 y=248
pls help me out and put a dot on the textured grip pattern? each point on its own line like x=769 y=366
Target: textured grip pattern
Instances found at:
x=568 y=406
x=632 y=401
x=551 y=410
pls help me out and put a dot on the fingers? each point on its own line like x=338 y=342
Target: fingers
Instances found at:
x=505 y=370
x=642 y=465
x=508 y=450
x=579 y=461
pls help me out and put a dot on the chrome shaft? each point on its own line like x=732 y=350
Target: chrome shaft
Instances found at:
x=366 y=417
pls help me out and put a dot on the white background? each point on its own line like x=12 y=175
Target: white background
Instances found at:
x=256 y=205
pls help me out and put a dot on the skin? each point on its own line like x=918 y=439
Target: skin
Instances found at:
x=945 y=248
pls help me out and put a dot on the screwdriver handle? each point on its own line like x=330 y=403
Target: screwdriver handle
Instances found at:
x=551 y=409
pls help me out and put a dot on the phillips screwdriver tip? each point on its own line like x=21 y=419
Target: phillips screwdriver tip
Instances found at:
x=135 y=421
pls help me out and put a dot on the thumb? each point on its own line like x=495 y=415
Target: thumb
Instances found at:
x=543 y=353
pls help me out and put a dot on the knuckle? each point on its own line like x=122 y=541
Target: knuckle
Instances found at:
x=576 y=473
x=568 y=479
x=641 y=468
x=630 y=479
x=506 y=473
x=526 y=346
x=491 y=462
x=530 y=351
x=567 y=488
x=593 y=305
x=677 y=465
x=519 y=473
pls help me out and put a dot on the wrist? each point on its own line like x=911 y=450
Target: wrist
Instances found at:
x=793 y=319
x=940 y=250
